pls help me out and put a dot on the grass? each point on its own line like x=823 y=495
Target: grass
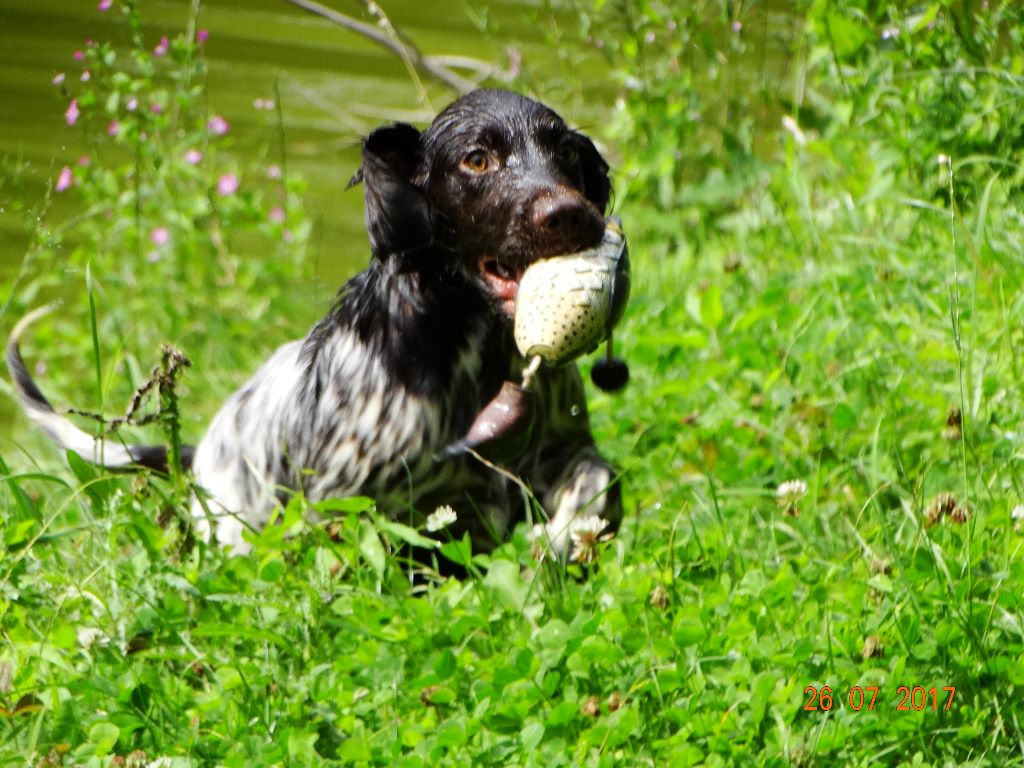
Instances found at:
x=846 y=312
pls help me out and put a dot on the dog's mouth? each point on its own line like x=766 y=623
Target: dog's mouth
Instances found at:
x=502 y=278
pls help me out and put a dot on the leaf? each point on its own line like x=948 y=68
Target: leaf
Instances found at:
x=623 y=725
x=919 y=21
x=554 y=633
x=352 y=504
x=442 y=695
x=711 y=311
x=445 y=665
x=847 y=35
x=409 y=535
x=371 y=549
x=507 y=585
x=844 y=417
x=300 y=746
x=103 y=737
x=237 y=631
x=97 y=490
x=272 y=568
x=531 y=736
x=22 y=500
x=459 y=551
x=562 y=713
x=880 y=583
x=84 y=472
x=451 y=733
x=688 y=631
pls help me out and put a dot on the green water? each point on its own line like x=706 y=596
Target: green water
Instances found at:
x=335 y=87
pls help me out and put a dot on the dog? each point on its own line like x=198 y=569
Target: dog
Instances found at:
x=414 y=346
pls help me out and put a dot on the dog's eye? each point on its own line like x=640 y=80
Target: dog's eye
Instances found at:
x=476 y=161
x=568 y=153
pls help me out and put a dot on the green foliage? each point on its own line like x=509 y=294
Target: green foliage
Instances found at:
x=816 y=299
x=189 y=242
x=947 y=78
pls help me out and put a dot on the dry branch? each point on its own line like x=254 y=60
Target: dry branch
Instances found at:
x=436 y=67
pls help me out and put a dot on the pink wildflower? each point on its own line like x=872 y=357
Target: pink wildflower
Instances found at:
x=227 y=184
x=217 y=125
x=273 y=171
x=201 y=36
x=276 y=214
x=113 y=127
x=58 y=79
x=104 y=5
x=161 y=47
x=86 y=76
x=64 y=180
x=78 y=56
x=84 y=161
x=132 y=104
x=160 y=236
x=71 y=113
x=193 y=156
x=155 y=108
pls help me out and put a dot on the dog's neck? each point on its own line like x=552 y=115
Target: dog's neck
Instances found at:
x=422 y=323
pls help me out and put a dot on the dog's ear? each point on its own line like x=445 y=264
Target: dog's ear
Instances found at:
x=398 y=215
x=596 y=184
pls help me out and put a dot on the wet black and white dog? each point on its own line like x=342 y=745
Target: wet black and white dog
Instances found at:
x=416 y=344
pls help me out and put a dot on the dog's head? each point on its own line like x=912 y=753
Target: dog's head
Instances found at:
x=496 y=182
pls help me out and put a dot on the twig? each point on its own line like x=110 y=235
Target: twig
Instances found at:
x=401 y=47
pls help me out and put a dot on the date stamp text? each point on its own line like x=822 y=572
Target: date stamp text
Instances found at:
x=908 y=698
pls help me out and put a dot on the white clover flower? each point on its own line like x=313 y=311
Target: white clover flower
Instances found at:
x=87 y=636
x=1017 y=514
x=788 y=495
x=582 y=527
x=585 y=533
x=791 y=490
x=440 y=518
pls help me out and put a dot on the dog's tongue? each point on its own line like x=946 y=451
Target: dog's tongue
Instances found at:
x=503 y=282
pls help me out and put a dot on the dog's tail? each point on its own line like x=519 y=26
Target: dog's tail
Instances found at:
x=67 y=436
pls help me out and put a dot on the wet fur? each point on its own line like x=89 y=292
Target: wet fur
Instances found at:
x=414 y=346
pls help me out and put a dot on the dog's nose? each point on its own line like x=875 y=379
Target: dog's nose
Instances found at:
x=567 y=222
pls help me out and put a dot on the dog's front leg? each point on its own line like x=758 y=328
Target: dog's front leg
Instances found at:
x=588 y=488
x=570 y=477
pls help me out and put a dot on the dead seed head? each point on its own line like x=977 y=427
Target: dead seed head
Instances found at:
x=873 y=648
x=881 y=565
x=961 y=514
x=940 y=506
x=659 y=597
x=953 y=429
x=427 y=695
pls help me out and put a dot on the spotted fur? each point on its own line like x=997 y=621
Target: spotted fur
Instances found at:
x=415 y=345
